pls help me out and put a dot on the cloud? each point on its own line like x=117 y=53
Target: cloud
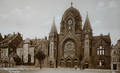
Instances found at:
x=34 y=17
x=112 y=4
x=101 y=4
x=107 y=4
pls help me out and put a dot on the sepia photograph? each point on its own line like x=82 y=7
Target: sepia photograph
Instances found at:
x=59 y=36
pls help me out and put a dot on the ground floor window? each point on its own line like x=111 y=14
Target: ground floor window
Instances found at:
x=100 y=62
x=114 y=66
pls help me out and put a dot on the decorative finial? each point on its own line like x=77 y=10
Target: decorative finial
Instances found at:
x=71 y=4
x=54 y=20
x=109 y=34
x=87 y=13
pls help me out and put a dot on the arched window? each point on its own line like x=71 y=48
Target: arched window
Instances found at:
x=86 y=65
x=70 y=22
x=100 y=51
x=51 y=50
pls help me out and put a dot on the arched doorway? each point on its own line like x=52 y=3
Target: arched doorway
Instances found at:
x=69 y=52
x=69 y=48
x=51 y=64
x=86 y=65
x=75 y=62
x=68 y=63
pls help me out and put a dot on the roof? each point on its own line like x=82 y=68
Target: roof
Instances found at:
x=7 y=39
x=21 y=44
x=1 y=38
x=105 y=38
x=117 y=46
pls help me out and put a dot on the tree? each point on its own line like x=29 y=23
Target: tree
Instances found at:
x=29 y=58
x=40 y=56
x=17 y=59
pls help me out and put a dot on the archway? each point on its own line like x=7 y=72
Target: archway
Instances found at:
x=68 y=63
x=86 y=65
x=69 y=48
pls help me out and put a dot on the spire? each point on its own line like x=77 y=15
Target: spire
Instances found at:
x=53 y=28
x=87 y=24
x=54 y=20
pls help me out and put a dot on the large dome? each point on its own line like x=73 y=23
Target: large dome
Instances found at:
x=72 y=11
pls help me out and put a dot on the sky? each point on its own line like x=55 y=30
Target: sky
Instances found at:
x=34 y=18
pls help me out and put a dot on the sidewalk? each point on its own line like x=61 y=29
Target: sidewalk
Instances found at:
x=20 y=68
x=33 y=69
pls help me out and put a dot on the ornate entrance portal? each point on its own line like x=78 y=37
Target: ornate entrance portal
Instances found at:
x=69 y=63
x=69 y=49
x=69 y=52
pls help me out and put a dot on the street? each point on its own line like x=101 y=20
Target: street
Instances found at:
x=55 y=70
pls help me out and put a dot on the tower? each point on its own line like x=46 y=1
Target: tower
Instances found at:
x=87 y=35
x=53 y=37
x=70 y=38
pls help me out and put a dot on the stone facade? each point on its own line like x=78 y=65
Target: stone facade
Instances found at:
x=77 y=46
x=26 y=52
x=115 y=57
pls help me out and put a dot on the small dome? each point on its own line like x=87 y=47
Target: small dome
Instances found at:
x=75 y=12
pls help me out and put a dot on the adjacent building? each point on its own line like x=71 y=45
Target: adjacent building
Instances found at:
x=115 y=57
x=26 y=52
x=8 y=47
x=29 y=47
